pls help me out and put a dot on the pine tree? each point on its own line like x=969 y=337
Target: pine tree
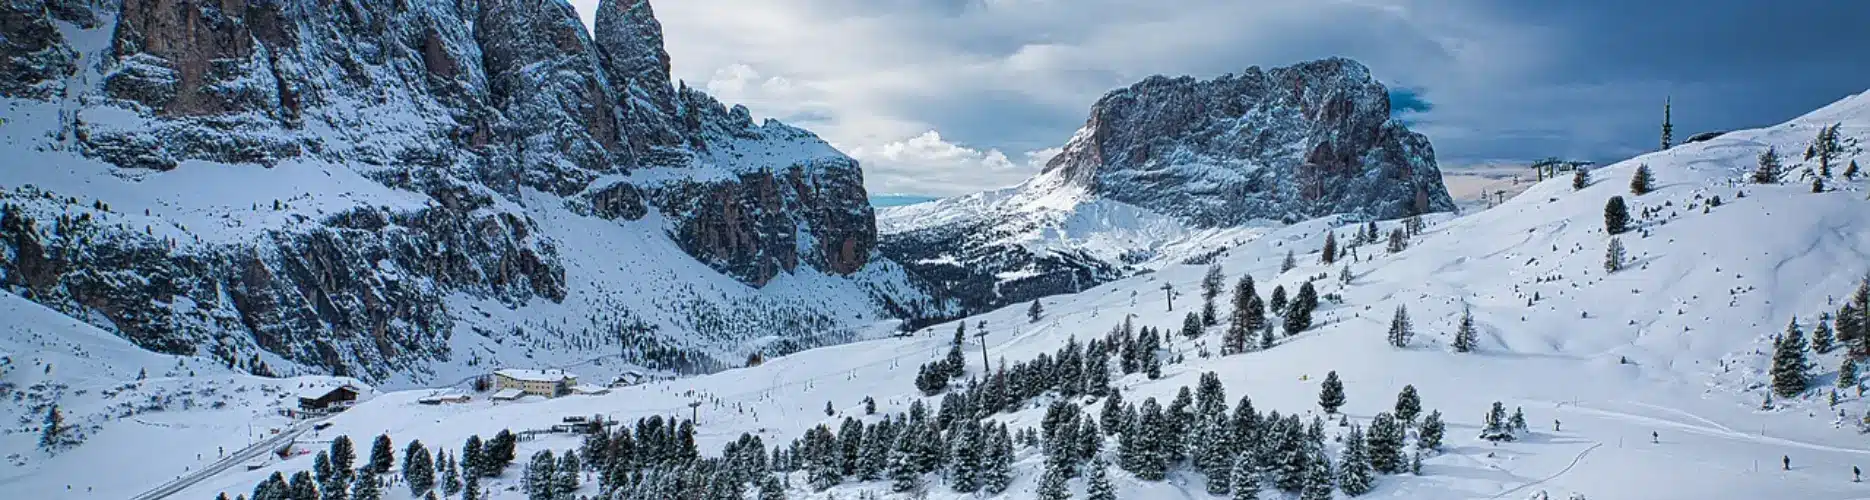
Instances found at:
x=1668 y=129
x=1248 y=315
x=1355 y=476
x=1518 y=421
x=1822 y=340
x=1318 y=483
x=999 y=474
x=470 y=457
x=418 y=468
x=1289 y=263
x=956 y=365
x=1847 y=373
x=273 y=488
x=365 y=487
x=1034 y=312
x=343 y=459
x=1052 y=485
x=1098 y=487
x=1246 y=480
x=470 y=489
x=1643 y=181
x=1616 y=216
x=1408 y=405
x=52 y=432
x=1399 y=241
x=1769 y=169
x=1210 y=289
x=964 y=469
x=903 y=475
x=1580 y=179
x=770 y=488
x=301 y=487
x=1344 y=275
x=1149 y=460
x=1494 y=426
x=1191 y=325
x=1790 y=371
x=381 y=456
x=1299 y=312
x=451 y=478
x=1385 y=443
x=1401 y=331
x=1279 y=301
x=1613 y=256
x=1853 y=320
x=565 y=478
x=1818 y=184
x=1266 y=336
x=1428 y=436
x=538 y=481
x=1329 y=254
x=1850 y=172
x=1826 y=148
x=1331 y=394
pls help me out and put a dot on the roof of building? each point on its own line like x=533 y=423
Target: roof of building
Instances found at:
x=508 y=394
x=316 y=392
x=590 y=389
x=553 y=375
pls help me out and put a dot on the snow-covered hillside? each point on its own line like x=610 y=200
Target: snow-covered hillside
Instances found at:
x=1646 y=383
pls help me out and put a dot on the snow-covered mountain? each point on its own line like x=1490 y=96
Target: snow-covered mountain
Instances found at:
x=1168 y=160
x=1644 y=383
x=402 y=191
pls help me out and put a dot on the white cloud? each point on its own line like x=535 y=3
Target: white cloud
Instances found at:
x=927 y=164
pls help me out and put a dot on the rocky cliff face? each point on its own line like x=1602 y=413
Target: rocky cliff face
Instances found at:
x=1175 y=156
x=475 y=116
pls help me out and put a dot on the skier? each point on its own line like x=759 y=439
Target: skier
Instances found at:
x=1655 y=438
x=1857 y=475
x=1785 y=462
x=1554 y=425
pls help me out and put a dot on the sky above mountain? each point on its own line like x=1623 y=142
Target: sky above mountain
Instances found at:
x=944 y=97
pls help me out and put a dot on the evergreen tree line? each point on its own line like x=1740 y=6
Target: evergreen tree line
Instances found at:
x=335 y=474
x=1791 y=372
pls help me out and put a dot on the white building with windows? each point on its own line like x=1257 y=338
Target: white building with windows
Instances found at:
x=550 y=383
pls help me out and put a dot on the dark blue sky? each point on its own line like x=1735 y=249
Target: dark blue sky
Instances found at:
x=946 y=97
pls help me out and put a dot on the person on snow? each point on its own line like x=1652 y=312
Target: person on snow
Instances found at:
x=1655 y=438
x=1785 y=462
x=1857 y=475
x=1554 y=425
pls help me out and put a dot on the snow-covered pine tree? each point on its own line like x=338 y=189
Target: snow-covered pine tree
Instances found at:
x=1408 y=405
x=965 y=466
x=1384 y=444
x=471 y=456
x=1210 y=396
x=1329 y=254
x=470 y=487
x=903 y=475
x=1191 y=325
x=1344 y=275
x=1668 y=129
x=1331 y=393
x=1211 y=284
x=1518 y=421
x=1149 y=459
x=1098 y=487
x=1790 y=371
x=1847 y=374
x=999 y=464
x=418 y=468
x=1291 y=458
x=1826 y=149
x=1052 y=486
x=1822 y=339
x=1643 y=181
x=1035 y=311
x=1299 y=312
x=1245 y=479
x=770 y=488
x=1398 y=241
x=1494 y=427
x=1111 y=415
x=1580 y=178
x=538 y=481
x=1853 y=320
x=273 y=488
x=1768 y=169
x=1289 y=263
x=1355 y=476
x=381 y=456
x=1245 y=425
x=1401 y=331
x=1266 y=336
x=565 y=477
x=1318 y=478
x=1616 y=216
x=451 y=478
x=1614 y=255
x=956 y=365
x=1429 y=435
x=301 y=487
x=1279 y=301
x=366 y=487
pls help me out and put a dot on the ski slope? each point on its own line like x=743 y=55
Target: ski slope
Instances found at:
x=1672 y=345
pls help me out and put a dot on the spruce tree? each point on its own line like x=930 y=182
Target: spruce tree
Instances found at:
x=1052 y=485
x=1768 y=169
x=1246 y=480
x=1822 y=340
x=903 y=475
x=1279 y=301
x=273 y=488
x=1211 y=284
x=451 y=478
x=1580 y=179
x=999 y=473
x=1329 y=254
x=1495 y=427
x=1331 y=394
x=1408 y=405
x=565 y=477
x=1790 y=371
x=470 y=488
x=956 y=365
x=1248 y=315
x=301 y=487
x=1643 y=181
x=343 y=459
x=1098 y=487
x=1266 y=336
x=470 y=457
x=1149 y=459
x=1034 y=312
x=1354 y=474
x=1400 y=328
x=964 y=469
x=770 y=488
x=1318 y=478
x=1291 y=458
x=1428 y=436
x=1847 y=373
x=1616 y=216
x=1191 y=325
x=1613 y=256
x=1289 y=263
x=1518 y=421
x=1385 y=443
x=1299 y=312
x=381 y=456
x=418 y=469
x=365 y=487
x=539 y=481
x=1668 y=129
